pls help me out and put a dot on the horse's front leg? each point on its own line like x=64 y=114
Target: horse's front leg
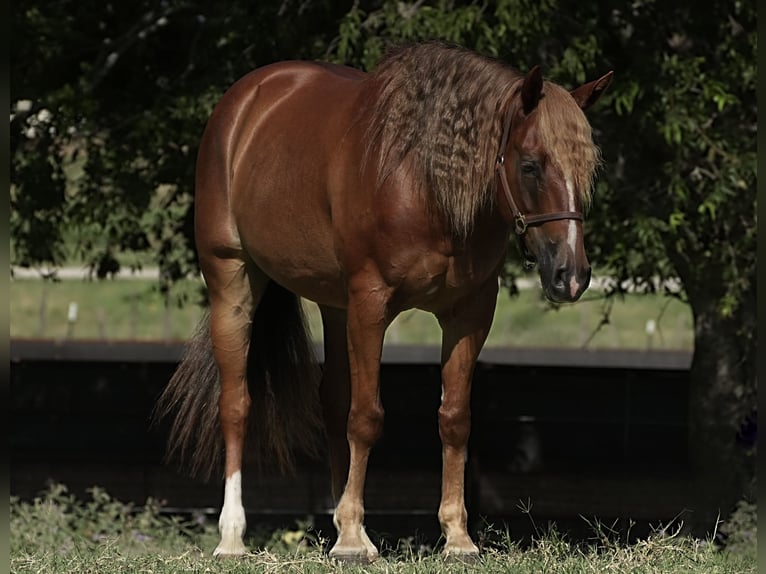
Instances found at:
x=465 y=329
x=367 y=320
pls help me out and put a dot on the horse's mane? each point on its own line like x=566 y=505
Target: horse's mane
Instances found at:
x=444 y=106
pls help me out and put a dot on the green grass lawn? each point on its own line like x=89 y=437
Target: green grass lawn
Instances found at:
x=56 y=533
x=109 y=309
x=134 y=309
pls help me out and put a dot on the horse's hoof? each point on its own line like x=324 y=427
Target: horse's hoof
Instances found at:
x=232 y=551
x=353 y=557
x=461 y=557
x=225 y=556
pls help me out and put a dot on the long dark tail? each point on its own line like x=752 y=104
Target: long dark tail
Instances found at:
x=283 y=379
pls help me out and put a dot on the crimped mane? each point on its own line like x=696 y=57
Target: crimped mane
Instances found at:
x=443 y=106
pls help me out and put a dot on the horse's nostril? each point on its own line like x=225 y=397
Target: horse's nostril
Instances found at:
x=560 y=277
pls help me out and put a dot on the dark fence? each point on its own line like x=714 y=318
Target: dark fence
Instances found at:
x=575 y=433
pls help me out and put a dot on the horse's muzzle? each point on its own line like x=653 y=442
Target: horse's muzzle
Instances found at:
x=565 y=283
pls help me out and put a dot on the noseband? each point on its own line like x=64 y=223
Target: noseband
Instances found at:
x=522 y=221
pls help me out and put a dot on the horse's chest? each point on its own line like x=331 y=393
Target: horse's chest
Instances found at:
x=441 y=281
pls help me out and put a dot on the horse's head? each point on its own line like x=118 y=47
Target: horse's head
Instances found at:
x=545 y=170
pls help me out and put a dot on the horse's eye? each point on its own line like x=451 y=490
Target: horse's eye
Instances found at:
x=529 y=168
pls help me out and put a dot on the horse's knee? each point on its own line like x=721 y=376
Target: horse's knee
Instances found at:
x=454 y=425
x=365 y=425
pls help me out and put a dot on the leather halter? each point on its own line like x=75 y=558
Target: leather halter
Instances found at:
x=522 y=221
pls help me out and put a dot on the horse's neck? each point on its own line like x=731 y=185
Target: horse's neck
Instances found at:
x=487 y=241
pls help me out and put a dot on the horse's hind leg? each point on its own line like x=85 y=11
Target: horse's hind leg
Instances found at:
x=234 y=288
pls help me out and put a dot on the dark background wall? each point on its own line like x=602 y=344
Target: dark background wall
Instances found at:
x=576 y=433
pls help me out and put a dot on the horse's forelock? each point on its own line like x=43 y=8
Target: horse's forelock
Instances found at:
x=567 y=138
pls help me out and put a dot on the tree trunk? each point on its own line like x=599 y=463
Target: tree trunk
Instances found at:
x=721 y=397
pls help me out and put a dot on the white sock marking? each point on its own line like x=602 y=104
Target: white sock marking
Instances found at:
x=232 y=522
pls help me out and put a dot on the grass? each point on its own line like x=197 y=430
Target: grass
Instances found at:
x=108 y=309
x=57 y=533
x=134 y=309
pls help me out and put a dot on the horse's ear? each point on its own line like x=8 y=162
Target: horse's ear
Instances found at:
x=532 y=89
x=588 y=94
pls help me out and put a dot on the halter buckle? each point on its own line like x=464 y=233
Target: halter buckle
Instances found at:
x=520 y=224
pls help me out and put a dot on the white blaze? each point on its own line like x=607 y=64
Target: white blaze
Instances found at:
x=572 y=235
x=572 y=231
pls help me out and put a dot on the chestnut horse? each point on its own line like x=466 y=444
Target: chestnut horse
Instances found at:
x=368 y=194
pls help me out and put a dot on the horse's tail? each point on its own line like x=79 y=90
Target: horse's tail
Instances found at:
x=282 y=376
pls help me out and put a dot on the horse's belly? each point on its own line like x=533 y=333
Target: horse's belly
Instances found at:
x=310 y=283
x=304 y=265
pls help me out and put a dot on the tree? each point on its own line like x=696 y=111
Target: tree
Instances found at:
x=109 y=103
x=686 y=186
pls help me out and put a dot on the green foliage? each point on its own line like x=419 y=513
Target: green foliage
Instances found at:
x=58 y=523
x=364 y=35
x=741 y=529
x=107 y=116
x=38 y=197
x=108 y=105
x=692 y=153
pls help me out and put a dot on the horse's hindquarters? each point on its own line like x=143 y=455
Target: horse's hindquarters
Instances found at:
x=272 y=159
